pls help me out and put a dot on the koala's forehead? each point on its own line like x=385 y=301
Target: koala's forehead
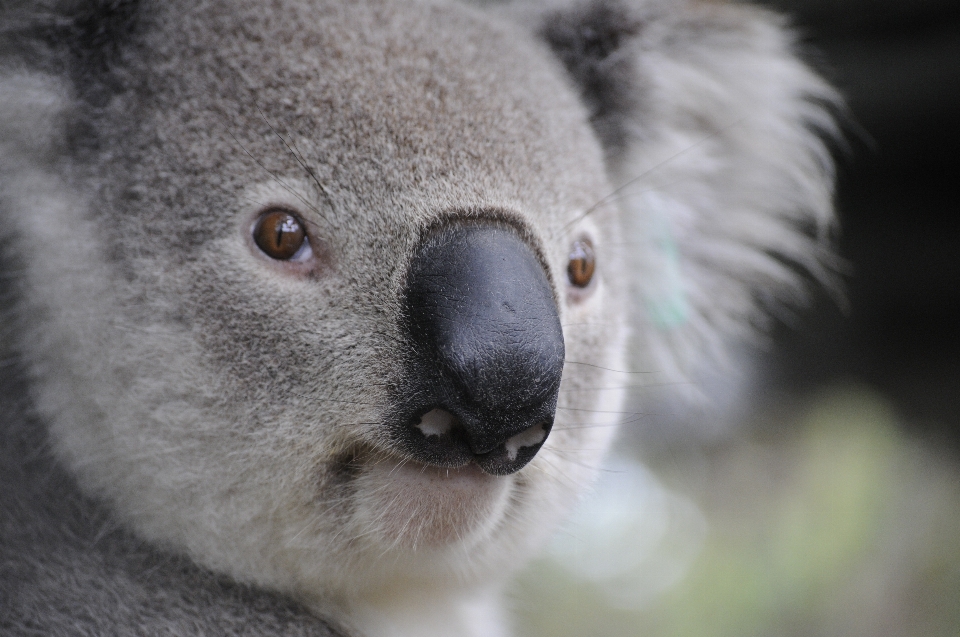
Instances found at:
x=395 y=105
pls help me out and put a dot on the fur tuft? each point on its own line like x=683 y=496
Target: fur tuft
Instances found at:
x=715 y=136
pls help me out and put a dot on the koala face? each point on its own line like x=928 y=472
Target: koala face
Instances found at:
x=333 y=297
x=329 y=309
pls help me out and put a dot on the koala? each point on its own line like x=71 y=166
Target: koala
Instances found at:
x=318 y=316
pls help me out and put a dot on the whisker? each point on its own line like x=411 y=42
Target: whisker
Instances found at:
x=590 y=324
x=606 y=369
x=617 y=422
x=300 y=160
x=568 y=456
x=333 y=400
x=647 y=173
x=618 y=387
x=276 y=177
x=600 y=411
x=594 y=425
x=604 y=388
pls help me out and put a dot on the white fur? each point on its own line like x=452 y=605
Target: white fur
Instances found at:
x=723 y=187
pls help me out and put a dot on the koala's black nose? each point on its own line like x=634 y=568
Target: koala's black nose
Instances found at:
x=488 y=349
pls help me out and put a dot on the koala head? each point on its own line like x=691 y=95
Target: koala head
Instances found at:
x=334 y=297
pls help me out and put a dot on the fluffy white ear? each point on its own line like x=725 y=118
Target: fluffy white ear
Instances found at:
x=714 y=133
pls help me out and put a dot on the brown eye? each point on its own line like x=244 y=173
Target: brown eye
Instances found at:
x=582 y=264
x=279 y=234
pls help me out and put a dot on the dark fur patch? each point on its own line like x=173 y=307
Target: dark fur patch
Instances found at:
x=589 y=39
x=83 y=39
x=97 y=33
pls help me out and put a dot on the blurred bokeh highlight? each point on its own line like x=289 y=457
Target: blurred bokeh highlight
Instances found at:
x=833 y=522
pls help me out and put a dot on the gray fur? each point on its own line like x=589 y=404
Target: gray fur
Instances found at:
x=67 y=570
x=192 y=437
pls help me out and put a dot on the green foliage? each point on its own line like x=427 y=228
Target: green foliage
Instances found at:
x=841 y=526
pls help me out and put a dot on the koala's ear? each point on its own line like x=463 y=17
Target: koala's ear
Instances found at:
x=713 y=130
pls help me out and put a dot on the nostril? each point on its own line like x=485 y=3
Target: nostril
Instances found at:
x=444 y=438
x=531 y=437
x=447 y=440
x=438 y=437
x=436 y=423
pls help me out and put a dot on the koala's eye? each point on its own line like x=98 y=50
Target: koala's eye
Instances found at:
x=582 y=264
x=280 y=234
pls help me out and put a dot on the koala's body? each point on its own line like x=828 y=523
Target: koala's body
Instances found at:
x=315 y=313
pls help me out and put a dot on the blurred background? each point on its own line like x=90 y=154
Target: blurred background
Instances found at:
x=827 y=501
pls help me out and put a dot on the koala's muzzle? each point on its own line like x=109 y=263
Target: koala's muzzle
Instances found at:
x=488 y=350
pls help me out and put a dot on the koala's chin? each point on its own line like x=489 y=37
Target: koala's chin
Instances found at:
x=319 y=310
x=413 y=505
